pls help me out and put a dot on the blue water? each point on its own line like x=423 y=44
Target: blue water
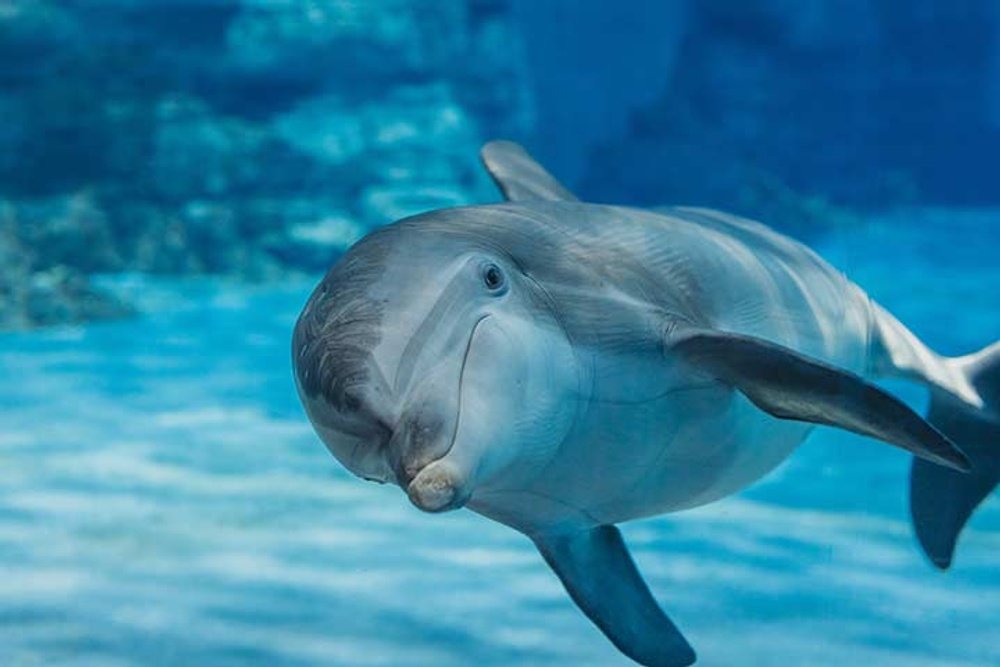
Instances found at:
x=163 y=501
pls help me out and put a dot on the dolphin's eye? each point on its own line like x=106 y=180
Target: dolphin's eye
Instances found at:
x=493 y=278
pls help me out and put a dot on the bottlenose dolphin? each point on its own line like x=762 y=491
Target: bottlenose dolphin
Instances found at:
x=561 y=367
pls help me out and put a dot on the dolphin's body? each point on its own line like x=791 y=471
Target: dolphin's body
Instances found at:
x=561 y=367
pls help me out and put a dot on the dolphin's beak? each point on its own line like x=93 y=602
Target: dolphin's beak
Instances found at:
x=436 y=478
x=439 y=487
x=424 y=435
x=420 y=453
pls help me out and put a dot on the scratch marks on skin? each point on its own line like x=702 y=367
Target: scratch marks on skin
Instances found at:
x=340 y=326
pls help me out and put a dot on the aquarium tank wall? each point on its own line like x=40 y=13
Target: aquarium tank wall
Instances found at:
x=176 y=176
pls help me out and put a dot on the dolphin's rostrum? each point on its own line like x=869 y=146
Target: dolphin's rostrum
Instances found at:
x=561 y=367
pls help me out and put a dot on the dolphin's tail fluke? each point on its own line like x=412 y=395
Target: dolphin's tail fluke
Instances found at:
x=942 y=500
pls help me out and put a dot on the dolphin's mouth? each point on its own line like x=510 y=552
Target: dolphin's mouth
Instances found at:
x=439 y=492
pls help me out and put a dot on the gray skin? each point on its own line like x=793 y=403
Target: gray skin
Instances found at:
x=561 y=367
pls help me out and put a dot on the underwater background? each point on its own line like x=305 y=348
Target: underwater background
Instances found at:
x=175 y=175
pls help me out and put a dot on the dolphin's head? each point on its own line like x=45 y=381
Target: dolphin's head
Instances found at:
x=433 y=361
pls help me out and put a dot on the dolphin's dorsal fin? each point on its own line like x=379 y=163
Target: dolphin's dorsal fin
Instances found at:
x=789 y=385
x=518 y=176
x=595 y=567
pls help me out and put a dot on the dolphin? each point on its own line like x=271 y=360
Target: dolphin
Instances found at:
x=561 y=367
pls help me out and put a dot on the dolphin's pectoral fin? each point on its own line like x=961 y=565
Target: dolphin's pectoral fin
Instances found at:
x=789 y=385
x=518 y=176
x=595 y=567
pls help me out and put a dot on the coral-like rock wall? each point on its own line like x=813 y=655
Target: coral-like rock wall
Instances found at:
x=233 y=137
